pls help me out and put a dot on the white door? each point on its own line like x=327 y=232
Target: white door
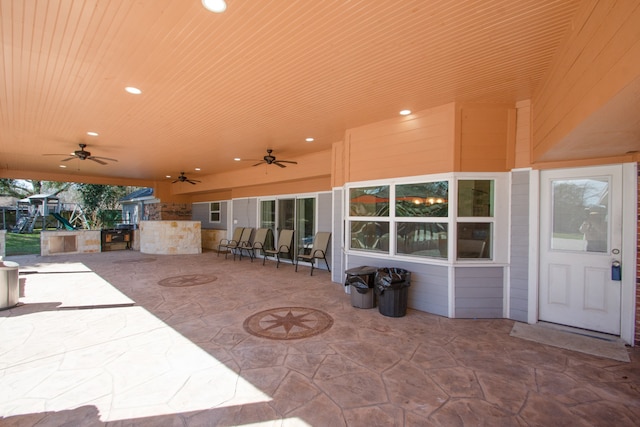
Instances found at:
x=580 y=239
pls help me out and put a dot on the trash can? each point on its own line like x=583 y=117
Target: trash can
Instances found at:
x=361 y=281
x=9 y=284
x=392 y=290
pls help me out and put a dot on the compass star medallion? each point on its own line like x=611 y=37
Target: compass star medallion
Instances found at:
x=288 y=323
x=186 y=280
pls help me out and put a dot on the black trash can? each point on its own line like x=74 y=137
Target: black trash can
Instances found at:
x=392 y=290
x=361 y=281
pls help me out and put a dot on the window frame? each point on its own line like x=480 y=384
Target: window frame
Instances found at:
x=498 y=222
x=212 y=211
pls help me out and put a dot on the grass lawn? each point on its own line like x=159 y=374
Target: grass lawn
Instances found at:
x=22 y=244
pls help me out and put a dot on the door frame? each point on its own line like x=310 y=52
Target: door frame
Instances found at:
x=629 y=249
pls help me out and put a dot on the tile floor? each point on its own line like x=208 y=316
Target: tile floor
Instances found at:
x=128 y=339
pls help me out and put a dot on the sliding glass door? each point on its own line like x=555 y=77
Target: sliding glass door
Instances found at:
x=290 y=214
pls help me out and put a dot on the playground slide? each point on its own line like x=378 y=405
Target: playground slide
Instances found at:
x=63 y=220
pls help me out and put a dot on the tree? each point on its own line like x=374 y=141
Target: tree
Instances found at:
x=101 y=203
x=15 y=188
x=22 y=188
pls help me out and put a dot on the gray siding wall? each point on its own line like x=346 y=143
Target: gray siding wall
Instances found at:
x=200 y=212
x=337 y=237
x=479 y=292
x=519 y=273
x=324 y=212
x=245 y=212
x=323 y=223
x=429 y=283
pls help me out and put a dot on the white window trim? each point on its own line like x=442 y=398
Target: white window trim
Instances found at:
x=499 y=220
x=211 y=211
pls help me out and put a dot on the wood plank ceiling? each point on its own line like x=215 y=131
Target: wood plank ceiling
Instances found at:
x=264 y=74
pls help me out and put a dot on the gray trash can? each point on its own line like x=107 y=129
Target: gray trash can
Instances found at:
x=9 y=284
x=361 y=281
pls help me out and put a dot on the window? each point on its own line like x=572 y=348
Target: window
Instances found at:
x=422 y=239
x=414 y=219
x=214 y=212
x=417 y=234
x=475 y=200
x=427 y=199
x=369 y=201
x=367 y=234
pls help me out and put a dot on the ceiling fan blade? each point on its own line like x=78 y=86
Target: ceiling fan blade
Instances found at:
x=191 y=182
x=96 y=160
x=102 y=158
x=68 y=158
x=287 y=161
x=173 y=182
x=277 y=163
x=259 y=163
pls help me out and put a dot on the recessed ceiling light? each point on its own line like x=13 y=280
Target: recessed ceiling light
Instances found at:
x=197 y=169
x=92 y=133
x=309 y=139
x=215 y=6
x=133 y=90
x=167 y=176
x=405 y=112
x=63 y=166
x=237 y=159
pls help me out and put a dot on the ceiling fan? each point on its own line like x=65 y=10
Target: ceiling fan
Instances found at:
x=271 y=160
x=83 y=154
x=183 y=178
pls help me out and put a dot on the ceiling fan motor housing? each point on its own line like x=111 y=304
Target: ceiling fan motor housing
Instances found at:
x=82 y=155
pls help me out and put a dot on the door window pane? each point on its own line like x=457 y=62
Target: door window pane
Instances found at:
x=305 y=228
x=580 y=217
x=286 y=214
x=268 y=215
x=422 y=239
x=369 y=201
x=427 y=199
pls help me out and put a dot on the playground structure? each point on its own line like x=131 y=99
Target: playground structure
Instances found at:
x=46 y=211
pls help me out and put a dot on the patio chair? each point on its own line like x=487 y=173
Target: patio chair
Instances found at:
x=262 y=240
x=224 y=243
x=284 y=246
x=236 y=247
x=318 y=251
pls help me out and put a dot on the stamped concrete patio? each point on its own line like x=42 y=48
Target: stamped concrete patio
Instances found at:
x=127 y=339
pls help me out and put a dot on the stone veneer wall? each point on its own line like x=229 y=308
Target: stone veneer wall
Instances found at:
x=167 y=211
x=170 y=237
x=69 y=242
x=211 y=238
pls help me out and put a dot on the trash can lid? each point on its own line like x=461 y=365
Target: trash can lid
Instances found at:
x=8 y=265
x=361 y=270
